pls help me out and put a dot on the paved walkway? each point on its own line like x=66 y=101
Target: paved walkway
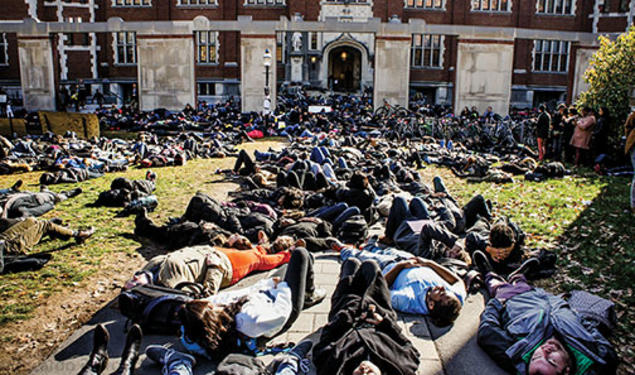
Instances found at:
x=443 y=351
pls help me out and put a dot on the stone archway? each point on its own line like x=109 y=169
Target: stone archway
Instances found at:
x=357 y=59
x=345 y=69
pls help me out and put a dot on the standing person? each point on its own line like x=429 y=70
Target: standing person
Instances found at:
x=99 y=98
x=570 y=120
x=557 y=135
x=599 y=140
x=582 y=133
x=542 y=131
x=629 y=131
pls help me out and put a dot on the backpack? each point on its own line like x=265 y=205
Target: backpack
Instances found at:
x=154 y=308
x=353 y=230
x=597 y=311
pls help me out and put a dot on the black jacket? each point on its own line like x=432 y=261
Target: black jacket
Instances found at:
x=346 y=340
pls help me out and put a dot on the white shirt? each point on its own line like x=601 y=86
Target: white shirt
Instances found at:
x=265 y=312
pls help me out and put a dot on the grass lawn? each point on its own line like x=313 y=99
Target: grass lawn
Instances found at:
x=586 y=221
x=583 y=219
x=40 y=309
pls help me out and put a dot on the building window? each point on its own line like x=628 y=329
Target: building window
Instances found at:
x=206 y=88
x=557 y=7
x=197 y=2
x=612 y=6
x=125 y=48
x=551 y=56
x=265 y=2
x=426 y=4
x=207 y=47
x=427 y=51
x=492 y=5
x=4 y=50
x=131 y=3
x=313 y=41
x=346 y=1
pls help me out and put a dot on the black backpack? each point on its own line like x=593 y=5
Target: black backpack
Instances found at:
x=353 y=230
x=154 y=308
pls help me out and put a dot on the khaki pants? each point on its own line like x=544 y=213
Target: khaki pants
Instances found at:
x=188 y=265
x=24 y=235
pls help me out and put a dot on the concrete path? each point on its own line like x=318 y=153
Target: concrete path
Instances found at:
x=443 y=351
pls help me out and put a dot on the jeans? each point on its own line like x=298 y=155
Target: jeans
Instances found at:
x=329 y=213
x=401 y=211
x=633 y=183
x=383 y=259
x=349 y=212
x=504 y=290
x=342 y=163
x=178 y=368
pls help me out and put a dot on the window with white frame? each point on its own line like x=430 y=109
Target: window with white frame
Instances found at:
x=125 y=47
x=197 y=3
x=427 y=51
x=265 y=2
x=551 y=56
x=131 y=3
x=492 y=5
x=4 y=50
x=557 y=7
x=206 y=47
x=426 y=4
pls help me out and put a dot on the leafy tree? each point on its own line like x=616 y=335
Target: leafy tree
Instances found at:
x=611 y=79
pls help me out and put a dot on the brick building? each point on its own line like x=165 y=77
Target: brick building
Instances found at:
x=462 y=52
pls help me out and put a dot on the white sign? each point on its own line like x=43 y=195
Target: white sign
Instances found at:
x=320 y=108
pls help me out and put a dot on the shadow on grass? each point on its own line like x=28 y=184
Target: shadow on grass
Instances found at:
x=597 y=254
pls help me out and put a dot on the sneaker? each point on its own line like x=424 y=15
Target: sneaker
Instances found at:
x=524 y=268
x=302 y=349
x=335 y=244
x=74 y=192
x=481 y=262
x=165 y=356
x=83 y=234
x=315 y=298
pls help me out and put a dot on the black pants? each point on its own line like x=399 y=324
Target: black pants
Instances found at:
x=364 y=280
x=298 y=274
x=247 y=161
x=476 y=207
x=303 y=180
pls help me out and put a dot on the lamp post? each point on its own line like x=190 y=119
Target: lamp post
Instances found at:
x=267 y=63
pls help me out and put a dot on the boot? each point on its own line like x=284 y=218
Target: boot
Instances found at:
x=98 y=359
x=130 y=353
x=83 y=234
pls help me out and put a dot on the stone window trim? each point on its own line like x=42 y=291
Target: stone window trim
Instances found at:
x=131 y=3
x=208 y=43
x=476 y=6
x=265 y=3
x=197 y=4
x=555 y=49
x=432 y=48
x=4 y=50
x=125 y=60
x=555 y=13
x=413 y=5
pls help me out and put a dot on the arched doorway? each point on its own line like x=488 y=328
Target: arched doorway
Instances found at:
x=345 y=69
